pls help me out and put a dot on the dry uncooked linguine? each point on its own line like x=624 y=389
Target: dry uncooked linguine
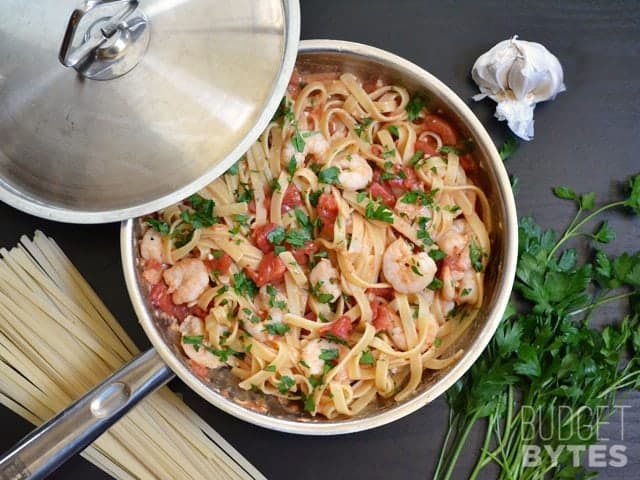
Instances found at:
x=58 y=340
x=338 y=260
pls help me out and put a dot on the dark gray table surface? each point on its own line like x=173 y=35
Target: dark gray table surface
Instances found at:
x=588 y=138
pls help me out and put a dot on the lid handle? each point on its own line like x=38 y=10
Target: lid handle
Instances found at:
x=110 y=37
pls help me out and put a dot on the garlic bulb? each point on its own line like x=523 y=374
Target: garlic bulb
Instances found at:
x=517 y=75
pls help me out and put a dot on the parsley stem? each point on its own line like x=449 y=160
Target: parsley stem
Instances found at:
x=450 y=427
x=572 y=229
x=460 y=442
x=484 y=450
x=599 y=303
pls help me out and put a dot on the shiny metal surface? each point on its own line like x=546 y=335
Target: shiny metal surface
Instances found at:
x=73 y=429
x=222 y=390
x=86 y=151
x=105 y=39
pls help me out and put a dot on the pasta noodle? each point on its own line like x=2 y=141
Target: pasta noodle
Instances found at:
x=58 y=340
x=347 y=249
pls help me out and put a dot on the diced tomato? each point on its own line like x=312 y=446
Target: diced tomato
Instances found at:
x=302 y=254
x=426 y=147
x=198 y=312
x=382 y=193
x=327 y=212
x=372 y=85
x=161 y=298
x=468 y=163
x=341 y=328
x=386 y=293
x=152 y=264
x=382 y=316
x=437 y=124
x=291 y=198
x=259 y=236
x=407 y=181
x=271 y=270
x=219 y=265
x=198 y=369
x=294 y=83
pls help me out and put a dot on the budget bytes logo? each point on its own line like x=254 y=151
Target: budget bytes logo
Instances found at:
x=608 y=451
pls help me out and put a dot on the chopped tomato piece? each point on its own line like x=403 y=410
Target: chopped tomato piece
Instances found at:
x=382 y=316
x=291 y=198
x=311 y=315
x=426 y=147
x=386 y=293
x=198 y=312
x=437 y=124
x=259 y=236
x=327 y=212
x=341 y=328
x=161 y=298
x=407 y=180
x=382 y=193
x=302 y=254
x=219 y=265
x=468 y=163
x=271 y=270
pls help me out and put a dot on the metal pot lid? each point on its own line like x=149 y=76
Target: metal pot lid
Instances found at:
x=111 y=109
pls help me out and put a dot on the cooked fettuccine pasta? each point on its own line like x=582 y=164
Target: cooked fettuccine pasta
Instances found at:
x=338 y=260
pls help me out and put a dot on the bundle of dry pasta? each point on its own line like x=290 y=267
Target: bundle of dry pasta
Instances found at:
x=57 y=340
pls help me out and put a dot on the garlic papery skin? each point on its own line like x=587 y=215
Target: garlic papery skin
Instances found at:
x=518 y=74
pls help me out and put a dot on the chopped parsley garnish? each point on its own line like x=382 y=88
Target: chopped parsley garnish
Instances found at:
x=332 y=338
x=362 y=126
x=273 y=294
x=422 y=233
x=437 y=254
x=285 y=384
x=298 y=238
x=416 y=159
x=465 y=292
x=234 y=169
x=275 y=185
x=376 y=211
x=416 y=270
x=244 y=194
x=298 y=142
x=309 y=404
x=449 y=149
x=393 y=130
x=437 y=342
x=366 y=358
x=195 y=340
x=361 y=196
x=476 y=254
x=388 y=153
x=276 y=236
x=284 y=111
x=292 y=165
x=414 y=107
x=419 y=197
x=223 y=354
x=329 y=175
x=328 y=354
x=244 y=286
x=314 y=196
x=389 y=174
x=202 y=216
x=436 y=284
x=322 y=297
x=277 y=328
x=270 y=368
x=161 y=227
x=304 y=364
x=452 y=209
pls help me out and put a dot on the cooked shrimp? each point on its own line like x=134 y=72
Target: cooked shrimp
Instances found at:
x=311 y=354
x=468 y=288
x=151 y=246
x=324 y=278
x=187 y=279
x=405 y=271
x=411 y=211
x=452 y=242
x=252 y=324
x=314 y=144
x=355 y=172
x=193 y=327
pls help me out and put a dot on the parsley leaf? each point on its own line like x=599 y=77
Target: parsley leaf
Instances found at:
x=276 y=236
x=298 y=142
x=277 y=328
x=195 y=340
x=159 y=226
x=376 y=211
x=292 y=165
x=329 y=175
x=508 y=148
x=476 y=254
x=285 y=384
x=366 y=358
x=244 y=286
x=328 y=354
x=393 y=130
x=414 y=107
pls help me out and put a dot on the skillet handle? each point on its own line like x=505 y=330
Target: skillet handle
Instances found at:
x=73 y=429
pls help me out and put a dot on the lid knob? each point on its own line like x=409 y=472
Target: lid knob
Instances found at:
x=105 y=38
